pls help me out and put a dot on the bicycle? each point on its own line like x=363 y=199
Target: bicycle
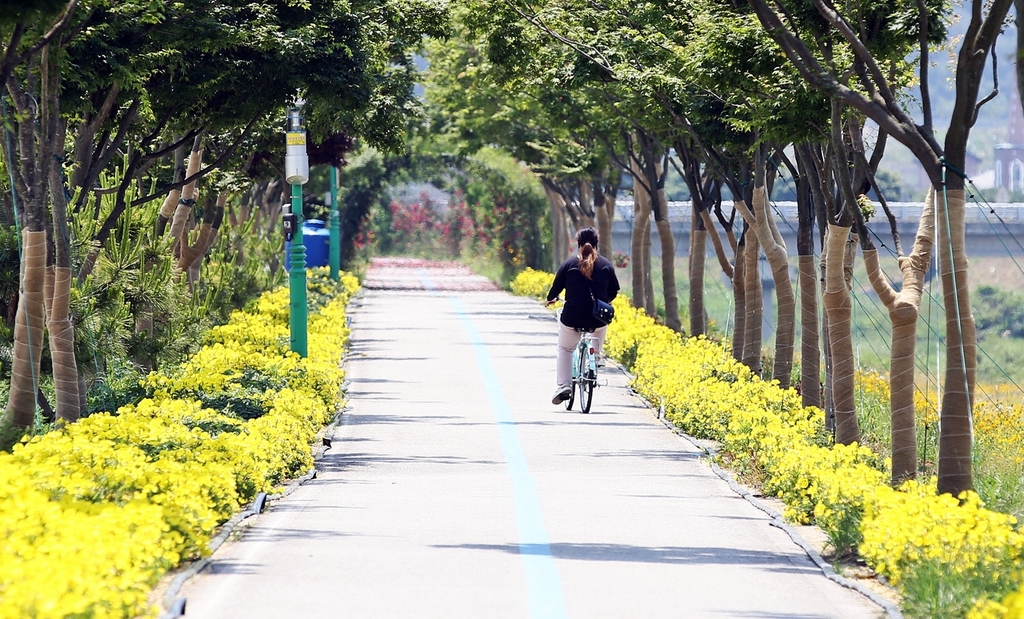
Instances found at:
x=584 y=371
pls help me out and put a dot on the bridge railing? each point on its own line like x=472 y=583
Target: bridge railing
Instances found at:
x=1010 y=213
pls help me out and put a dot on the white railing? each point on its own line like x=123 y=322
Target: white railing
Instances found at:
x=1010 y=213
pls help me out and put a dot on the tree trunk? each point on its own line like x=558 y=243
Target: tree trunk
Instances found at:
x=668 y=275
x=604 y=208
x=183 y=210
x=810 y=354
x=49 y=282
x=649 y=303
x=739 y=291
x=215 y=224
x=839 y=308
x=167 y=209
x=698 y=254
x=60 y=324
x=62 y=348
x=191 y=254
x=716 y=241
x=668 y=264
x=559 y=232
x=904 y=308
x=957 y=429
x=28 y=340
x=640 y=249
x=778 y=260
x=37 y=127
x=786 y=300
x=826 y=346
x=810 y=351
x=587 y=215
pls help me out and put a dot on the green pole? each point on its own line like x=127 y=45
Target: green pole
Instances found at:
x=299 y=313
x=335 y=241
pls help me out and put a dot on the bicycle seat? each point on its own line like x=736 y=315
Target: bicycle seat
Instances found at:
x=583 y=329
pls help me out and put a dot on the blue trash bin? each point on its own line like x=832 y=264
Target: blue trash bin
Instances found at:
x=317 y=239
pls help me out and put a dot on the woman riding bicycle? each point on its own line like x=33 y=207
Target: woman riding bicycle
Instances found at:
x=584 y=277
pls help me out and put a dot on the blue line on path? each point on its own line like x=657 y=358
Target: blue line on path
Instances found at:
x=543 y=584
x=427 y=282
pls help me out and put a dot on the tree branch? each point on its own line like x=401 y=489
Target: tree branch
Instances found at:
x=926 y=95
x=162 y=191
x=995 y=86
x=55 y=29
x=87 y=131
x=10 y=58
x=861 y=51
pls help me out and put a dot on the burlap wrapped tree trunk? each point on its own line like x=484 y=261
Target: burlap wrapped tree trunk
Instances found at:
x=839 y=308
x=28 y=340
x=739 y=292
x=955 y=415
x=753 y=301
x=698 y=251
x=904 y=308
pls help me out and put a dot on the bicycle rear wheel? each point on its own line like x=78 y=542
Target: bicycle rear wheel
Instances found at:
x=587 y=390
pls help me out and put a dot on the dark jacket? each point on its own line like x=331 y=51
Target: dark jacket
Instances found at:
x=579 y=305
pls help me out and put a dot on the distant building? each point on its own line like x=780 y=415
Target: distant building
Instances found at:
x=1009 y=155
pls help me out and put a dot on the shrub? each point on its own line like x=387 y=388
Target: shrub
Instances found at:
x=96 y=512
x=532 y=283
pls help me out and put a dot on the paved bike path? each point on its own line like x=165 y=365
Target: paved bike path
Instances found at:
x=455 y=489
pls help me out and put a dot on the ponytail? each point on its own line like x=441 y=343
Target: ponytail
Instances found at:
x=588 y=257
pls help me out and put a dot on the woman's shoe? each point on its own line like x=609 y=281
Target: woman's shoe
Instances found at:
x=562 y=394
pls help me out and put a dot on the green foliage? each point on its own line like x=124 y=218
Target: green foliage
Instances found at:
x=890 y=185
x=363 y=195
x=121 y=383
x=220 y=63
x=22 y=10
x=507 y=206
x=733 y=59
x=933 y=591
x=999 y=312
x=133 y=304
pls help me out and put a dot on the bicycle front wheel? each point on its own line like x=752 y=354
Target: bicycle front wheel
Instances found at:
x=587 y=390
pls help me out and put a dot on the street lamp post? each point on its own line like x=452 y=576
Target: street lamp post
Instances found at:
x=296 y=166
x=335 y=240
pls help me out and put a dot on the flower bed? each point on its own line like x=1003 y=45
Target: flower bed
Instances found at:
x=949 y=556
x=94 y=514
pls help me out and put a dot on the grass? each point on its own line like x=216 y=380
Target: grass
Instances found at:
x=488 y=266
x=999 y=359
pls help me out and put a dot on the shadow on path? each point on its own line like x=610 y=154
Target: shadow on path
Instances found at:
x=772 y=561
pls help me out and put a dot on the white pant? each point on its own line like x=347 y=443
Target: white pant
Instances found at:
x=568 y=338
